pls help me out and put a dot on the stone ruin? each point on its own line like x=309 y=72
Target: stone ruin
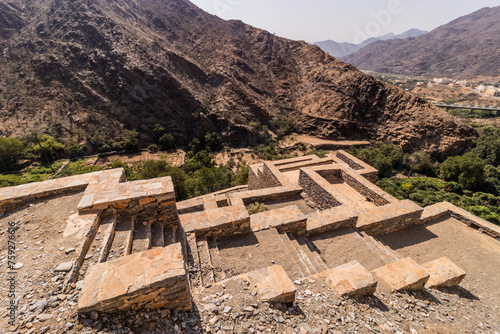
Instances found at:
x=154 y=252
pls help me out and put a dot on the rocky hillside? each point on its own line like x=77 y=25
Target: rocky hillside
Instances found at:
x=464 y=48
x=91 y=68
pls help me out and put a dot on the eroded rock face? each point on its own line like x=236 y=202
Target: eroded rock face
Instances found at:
x=93 y=68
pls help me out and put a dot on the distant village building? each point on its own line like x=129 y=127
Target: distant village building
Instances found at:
x=442 y=81
x=463 y=83
x=481 y=89
x=466 y=90
x=495 y=92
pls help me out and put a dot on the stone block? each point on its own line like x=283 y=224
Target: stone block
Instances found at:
x=288 y=219
x=151 y=279
x=332 y=219
x=226 y=221
x=444 y=273
x=350 y=279
x=390 y=218
x=272 y=284
x=403 y=275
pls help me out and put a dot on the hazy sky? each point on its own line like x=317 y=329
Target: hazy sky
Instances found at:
x=342 y=20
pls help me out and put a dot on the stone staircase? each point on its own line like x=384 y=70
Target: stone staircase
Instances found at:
x=117 y=237
x=304 y=254
x=200 y=266
x=378 y=246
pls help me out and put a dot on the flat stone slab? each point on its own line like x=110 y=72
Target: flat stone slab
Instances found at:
x=444 y=273
x=331 y=219
x=271 y=284
x=350 y=279
x=390 y=218
x=403 y=275
x=225 y=221
x=151 y=279
x=288 y=218
x=64 y=267
x=109 y=192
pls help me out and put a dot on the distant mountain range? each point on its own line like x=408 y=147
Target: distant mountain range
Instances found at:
x=464 y=48
x=340 y=50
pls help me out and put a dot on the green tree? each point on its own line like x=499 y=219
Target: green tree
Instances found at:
x=467 y=170
x=241 y=177
x=207 y=180
x=488 y=146
x=167 y=142
x=47 y=148
x=132 y=140
x=198 y=161
x=11 y=149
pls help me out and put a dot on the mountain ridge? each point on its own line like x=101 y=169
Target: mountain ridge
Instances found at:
x=339 y=50
x=464 y=48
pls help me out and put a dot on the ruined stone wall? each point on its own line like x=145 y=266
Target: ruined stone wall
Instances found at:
x=315 y=187
x=393 y=224
x=370 y=193
x=267 y=195
x=253 y=178
x=268 y=179
x=348 y=160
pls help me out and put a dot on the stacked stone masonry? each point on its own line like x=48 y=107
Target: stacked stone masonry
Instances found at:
x=342 y=196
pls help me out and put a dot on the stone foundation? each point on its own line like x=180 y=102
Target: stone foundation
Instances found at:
x=288 y=219
x=444 y=273
x=349 y=280
x=403 y=275
x=152 y=279
x=390 y=218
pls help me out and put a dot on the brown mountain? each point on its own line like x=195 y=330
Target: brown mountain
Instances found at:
x=464 y=48
x=91 y=68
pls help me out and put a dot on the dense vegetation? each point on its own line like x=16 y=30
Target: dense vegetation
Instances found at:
x=471 y=181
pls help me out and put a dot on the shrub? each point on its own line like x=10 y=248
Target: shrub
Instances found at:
x=467 y=170
x=319 y=153
x=11 y=150
x=153 y=148
x=256 y=208
x=47 y=148
x=241 y=177
x=167 y=142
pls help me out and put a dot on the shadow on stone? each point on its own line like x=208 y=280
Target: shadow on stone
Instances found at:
x=408 y=237
x=238 y=241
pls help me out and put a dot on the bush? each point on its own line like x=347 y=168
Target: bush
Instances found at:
x=11 y=150
x=467 y=170
x=47 y=148
x=199 y=160
x=153 y=148
x=256 y=208
x=319 y=153
x=241 y=177
x=167 y=142
x=77 y=168
x=207 y=180
x=385 y=157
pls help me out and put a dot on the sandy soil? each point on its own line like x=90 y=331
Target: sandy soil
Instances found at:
x=476 y=253
x=343 y=246
x=251 y=252
x=41 y=245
